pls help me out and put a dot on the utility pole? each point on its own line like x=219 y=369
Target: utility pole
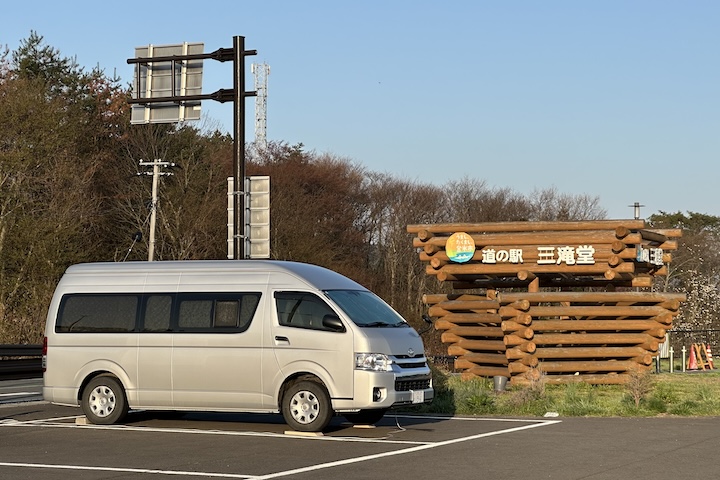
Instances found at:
x=636 y=209
x=156 y=174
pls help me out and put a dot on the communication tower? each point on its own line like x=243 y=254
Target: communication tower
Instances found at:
x=261 y=71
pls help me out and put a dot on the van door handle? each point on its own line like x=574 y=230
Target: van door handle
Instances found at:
x=280 y=339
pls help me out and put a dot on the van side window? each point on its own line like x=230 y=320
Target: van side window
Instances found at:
x=158 y=311
x=195 y=314
x=97 y=313
x=216 y=312
x=226 y=313
x=301 y=309
x=248 y=305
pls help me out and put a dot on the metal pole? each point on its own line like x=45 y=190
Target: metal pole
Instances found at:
x=239 y=148
x=684 y=354
x=153 y=211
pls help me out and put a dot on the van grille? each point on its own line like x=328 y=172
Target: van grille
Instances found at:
x=404 y=361
x=412 y=365
x=415 y=384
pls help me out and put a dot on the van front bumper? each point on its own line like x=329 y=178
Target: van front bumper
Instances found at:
x=375 y=390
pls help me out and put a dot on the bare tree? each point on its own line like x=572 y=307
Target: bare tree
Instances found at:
x=549 y=204
x=192 y=198
x=472 y=201
x=695 y=267
x=315 y=203
x=398 y=275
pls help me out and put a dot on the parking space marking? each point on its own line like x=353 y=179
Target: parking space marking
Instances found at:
x=418 y=448
x=414 y=445
x=10 y=421
x=125 y=470
x=55 y=423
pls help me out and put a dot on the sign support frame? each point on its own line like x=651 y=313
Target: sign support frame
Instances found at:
x=237 y=95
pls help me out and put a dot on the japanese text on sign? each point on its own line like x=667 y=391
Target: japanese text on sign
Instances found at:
x=580 y=255
x=653 y=256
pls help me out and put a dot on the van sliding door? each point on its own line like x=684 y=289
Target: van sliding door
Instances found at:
x=216 y=359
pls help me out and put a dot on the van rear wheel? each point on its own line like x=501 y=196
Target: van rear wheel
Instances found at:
x=103 y=400
x=366 y=417
x=306 y=406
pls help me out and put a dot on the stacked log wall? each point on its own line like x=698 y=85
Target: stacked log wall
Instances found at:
x=525 y=323
x=565 y=336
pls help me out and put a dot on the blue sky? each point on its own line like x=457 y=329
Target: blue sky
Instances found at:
x=615 y=99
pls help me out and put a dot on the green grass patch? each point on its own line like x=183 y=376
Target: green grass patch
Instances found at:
x=649 y=394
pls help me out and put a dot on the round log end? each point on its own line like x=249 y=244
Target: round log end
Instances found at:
x=424 y=234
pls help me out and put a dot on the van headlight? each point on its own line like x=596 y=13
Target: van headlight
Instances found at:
x=375 y=362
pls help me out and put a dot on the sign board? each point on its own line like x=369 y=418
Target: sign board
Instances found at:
x=460 y=247
x=167 y=78
x=257 y=217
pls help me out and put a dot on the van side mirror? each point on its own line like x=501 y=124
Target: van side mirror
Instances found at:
x=332 y=322
x=427 y=319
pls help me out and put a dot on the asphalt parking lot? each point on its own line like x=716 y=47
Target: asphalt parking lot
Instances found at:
x=42 y=441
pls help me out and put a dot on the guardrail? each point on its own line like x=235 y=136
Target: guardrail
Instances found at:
x=20 y=361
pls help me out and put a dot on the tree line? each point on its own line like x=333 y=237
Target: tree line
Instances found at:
x=70 y=192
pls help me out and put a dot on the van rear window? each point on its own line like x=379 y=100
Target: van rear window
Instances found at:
x=97 y=313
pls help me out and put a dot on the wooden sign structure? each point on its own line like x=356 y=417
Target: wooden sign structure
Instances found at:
x=557 y=300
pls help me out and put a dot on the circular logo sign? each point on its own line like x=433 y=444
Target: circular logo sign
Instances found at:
x=460 y=247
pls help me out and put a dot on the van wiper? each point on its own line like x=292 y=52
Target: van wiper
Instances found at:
x=385 y=324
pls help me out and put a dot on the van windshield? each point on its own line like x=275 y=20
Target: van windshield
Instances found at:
x=366 y=309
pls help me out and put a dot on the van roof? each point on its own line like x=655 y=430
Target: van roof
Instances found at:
x=317 y=276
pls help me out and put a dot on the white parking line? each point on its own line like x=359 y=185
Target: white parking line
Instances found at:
x=415 y=446
x=124 y=470
x=404 y=451
x=54 y=423
x=13 y=422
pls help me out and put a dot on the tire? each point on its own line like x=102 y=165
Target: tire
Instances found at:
x=306 y=406
x=366 y=417
x=103 y=400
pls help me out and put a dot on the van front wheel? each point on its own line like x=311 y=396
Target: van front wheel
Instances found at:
x=306 y=406
x=103 y=400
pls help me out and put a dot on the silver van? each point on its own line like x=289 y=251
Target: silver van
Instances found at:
x=229 y=336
